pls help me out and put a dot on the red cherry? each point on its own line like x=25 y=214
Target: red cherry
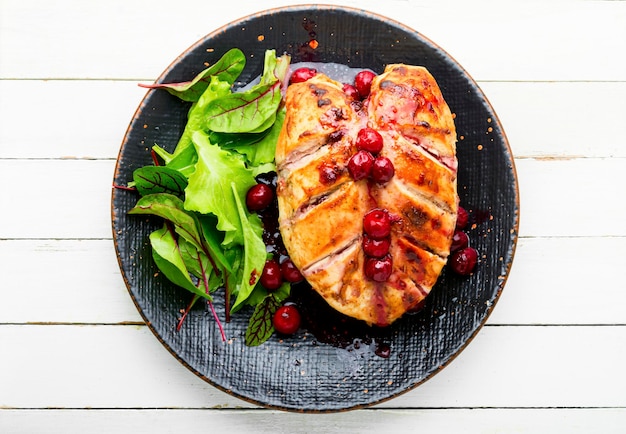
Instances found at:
x=360 y=165
x=376 y=248
x=259 y=197
x=286 y=320
x=363 y=82
x=351 y=91
x=462 y=218
x=368 y=139
x=460 y=241
x=377 y=224
x=301 y=75
x=378 y=269
x=271 y=277
x=382 y=170
x=290 y=272
x=464 y=261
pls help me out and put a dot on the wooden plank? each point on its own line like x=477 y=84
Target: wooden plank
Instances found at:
x=577 y=197
x=88 y=287
x=565 y=281
x=468 y=421
x=79 y=191
x=500 y=41
x=49 y=194
x=560 y=126
x=92 y=126
x=558 y=119
x=76 y=281
x=52 y=366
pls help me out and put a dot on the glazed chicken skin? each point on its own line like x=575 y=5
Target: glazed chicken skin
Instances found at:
x=322 y=207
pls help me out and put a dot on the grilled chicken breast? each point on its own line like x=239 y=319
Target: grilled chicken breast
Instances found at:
x=322 y=207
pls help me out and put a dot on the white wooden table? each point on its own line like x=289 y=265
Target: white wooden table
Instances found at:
x=75 y=356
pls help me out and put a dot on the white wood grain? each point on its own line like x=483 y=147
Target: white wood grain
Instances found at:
x=78 y=281
x=65 y=118
x=560 y=119
x=552 y=356
x=472 y=421
x=53 y=366
x=533 y=128
x=56 y=198
x=568 y=280
x=506 y=40
x=577 y=197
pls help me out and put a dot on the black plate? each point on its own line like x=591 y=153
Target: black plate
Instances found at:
x=302 y=373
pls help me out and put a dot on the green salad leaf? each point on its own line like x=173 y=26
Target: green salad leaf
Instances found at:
x=209 y=190
x=260 y=327
x=253 y=110
x=227 y=69
x=210 y=241
x=159 y=179
x=254 y=252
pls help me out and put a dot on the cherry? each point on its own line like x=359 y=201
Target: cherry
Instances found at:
x=376 y=248
x=363 y=82
x=462 y=218
x=368 y=139
x=271 y=277
x=460 y=241
x=382 y=170
x=377 y=224
x=360 y=165
x=301 y=75
x=351 y=91
x=378 y=269
x=290 y=272
x=464 y=261
x=287 y=319
x=259 y=197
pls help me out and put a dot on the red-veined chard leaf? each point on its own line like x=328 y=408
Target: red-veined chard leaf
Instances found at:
x=170 y=208
x=167 y=256
x=263 y=151
x=199 y=264
x=159 y=179
x=260 y=328
x=184 y=156
x=227 y=69
x=185 y=223
x=214 y=239
x=251 y=110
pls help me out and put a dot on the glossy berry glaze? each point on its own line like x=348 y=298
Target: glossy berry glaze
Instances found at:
x=337 y=329
x=316 y=316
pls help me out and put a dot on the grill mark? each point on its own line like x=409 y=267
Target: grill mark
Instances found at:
x=315 y=201
x=313 y=267
x=449 y=163
x=429 y=198
x=421 y=245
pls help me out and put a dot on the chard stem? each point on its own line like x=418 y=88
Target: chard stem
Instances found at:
x=217 y=320
x=182 y=318
x=123 y=187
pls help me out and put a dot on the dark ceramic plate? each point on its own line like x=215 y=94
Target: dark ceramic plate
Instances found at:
x=304 y=372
